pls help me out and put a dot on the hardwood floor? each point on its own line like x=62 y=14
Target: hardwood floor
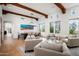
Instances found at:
x=12 y=47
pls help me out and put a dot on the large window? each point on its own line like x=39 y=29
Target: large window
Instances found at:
x=51 y=27
x=73 y=27
x=42 y=27
x=55 y=27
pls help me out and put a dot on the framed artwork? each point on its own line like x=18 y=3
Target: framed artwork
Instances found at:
x=26 y=27
x=57 y=26
x=51 y=27
x=42 y=27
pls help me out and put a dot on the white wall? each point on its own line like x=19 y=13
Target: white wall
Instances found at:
x=63 y=18
x=17 y=20
x=56 y=16
x=0 y=11
x=71 y=13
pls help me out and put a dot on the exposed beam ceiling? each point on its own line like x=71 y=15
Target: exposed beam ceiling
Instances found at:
x=62 y=8
x=28 y=8
x=6 y=11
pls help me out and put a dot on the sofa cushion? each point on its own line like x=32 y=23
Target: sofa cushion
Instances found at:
x=52 y=45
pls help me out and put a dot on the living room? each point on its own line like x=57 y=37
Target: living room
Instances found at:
x=40 y=29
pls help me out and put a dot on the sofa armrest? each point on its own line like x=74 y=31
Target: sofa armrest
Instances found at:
x=65 y=49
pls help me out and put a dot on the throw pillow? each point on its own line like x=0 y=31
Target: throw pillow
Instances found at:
x=33 y=37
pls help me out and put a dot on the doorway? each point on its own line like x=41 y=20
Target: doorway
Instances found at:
x=8 y=29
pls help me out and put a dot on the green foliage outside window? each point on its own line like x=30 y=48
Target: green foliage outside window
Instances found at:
x=51 y=27
x=72 y=29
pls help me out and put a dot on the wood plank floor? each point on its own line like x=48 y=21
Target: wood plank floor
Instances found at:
x=11 y=46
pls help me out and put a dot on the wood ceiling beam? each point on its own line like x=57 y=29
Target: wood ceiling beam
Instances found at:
x=28 y=8
x=6 y=11
x=62 y=8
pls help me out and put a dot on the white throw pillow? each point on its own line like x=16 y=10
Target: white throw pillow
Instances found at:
x=33 y=37
x=28 y=37
x=53 y=46
x=65 y=40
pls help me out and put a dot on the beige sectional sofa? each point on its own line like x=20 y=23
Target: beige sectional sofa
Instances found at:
x=40 y=51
